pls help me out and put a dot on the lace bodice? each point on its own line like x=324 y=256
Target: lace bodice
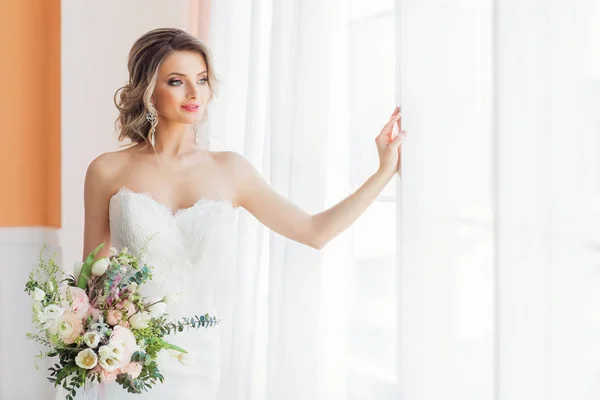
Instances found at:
x=187 y=248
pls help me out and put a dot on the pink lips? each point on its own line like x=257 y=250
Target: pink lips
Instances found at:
x=191 y=108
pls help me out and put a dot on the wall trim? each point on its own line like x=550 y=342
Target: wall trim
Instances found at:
x=20 y=235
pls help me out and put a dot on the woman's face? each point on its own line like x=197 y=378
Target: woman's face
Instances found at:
x=182 y=89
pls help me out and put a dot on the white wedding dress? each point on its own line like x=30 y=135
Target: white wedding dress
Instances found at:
x=188 y=250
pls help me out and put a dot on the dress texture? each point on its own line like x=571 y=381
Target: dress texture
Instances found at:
x=188 y=249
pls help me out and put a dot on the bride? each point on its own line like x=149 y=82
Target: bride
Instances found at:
x=185 y=198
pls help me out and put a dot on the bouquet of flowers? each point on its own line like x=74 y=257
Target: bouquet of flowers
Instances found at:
x=99 y=325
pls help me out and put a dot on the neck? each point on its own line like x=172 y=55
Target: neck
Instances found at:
x=174 y=140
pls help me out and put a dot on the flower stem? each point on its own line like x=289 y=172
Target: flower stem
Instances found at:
x=173 y=347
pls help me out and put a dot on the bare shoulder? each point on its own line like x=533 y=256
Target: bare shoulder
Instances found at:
x=241 y=174
x=234 y=163
x=104 y=166
x=226 y=156
x=104 y=170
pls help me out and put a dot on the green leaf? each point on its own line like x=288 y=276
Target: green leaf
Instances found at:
x=86 y=269
x=172 y=346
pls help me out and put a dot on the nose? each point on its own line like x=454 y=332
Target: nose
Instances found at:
x=192 y=93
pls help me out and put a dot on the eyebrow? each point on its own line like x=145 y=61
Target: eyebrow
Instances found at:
x=180 y=74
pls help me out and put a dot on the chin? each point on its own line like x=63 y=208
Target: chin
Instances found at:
x=189 y=121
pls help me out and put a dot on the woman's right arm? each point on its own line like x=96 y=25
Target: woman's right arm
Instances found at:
x=96 y=196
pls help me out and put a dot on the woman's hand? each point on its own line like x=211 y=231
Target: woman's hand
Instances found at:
x=389 y=145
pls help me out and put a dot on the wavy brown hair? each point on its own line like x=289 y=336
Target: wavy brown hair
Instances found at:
x=145 y=57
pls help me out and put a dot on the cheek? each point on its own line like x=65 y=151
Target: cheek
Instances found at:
x=165 y=98
x=206 y=93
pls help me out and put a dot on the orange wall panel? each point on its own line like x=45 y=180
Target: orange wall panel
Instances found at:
x=30 y=143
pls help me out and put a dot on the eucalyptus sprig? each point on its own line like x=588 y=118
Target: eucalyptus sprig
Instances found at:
x=202 y=321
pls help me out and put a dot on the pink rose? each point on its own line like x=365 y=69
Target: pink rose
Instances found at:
x=128 y=305
x=68 y=327
x=133 y=368
x=109 y=376
x=79 y=300
x=94 y=313
x=124 y=336
x=123 y=323
x=114 y=317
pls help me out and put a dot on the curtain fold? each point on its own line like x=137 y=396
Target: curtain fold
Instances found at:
x=283 y=106
x=499 y=200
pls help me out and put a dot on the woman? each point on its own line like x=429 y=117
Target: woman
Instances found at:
x=167 y=188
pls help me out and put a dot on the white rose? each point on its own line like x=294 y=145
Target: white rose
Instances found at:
x=86 y=359
x=91 y=339
x=38 y=294
x=77 y=269
x=187 y=359
x=104 y=352
x=172 y=298
x=53 y=311
x=140 y=320
x=46 y=316
x=109 y=364
x=116 y=351
x=157 y=309
x=100 y=266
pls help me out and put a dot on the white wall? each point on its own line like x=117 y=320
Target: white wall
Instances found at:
x=19 y=249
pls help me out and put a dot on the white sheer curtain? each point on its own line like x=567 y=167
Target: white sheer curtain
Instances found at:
x=497 y=228
x=498 y=274
x=284 y=104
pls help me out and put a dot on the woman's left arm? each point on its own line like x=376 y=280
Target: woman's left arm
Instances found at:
x=282 y=216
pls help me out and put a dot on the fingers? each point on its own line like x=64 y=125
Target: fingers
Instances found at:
x=387 y=129
x=398 y=140
x=392 y=121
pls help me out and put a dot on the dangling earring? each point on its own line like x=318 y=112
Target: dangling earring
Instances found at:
x=151 y=117
x=196 y=133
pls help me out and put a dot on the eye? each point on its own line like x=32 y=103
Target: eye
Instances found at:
x=203 y=81
x=175 y=82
